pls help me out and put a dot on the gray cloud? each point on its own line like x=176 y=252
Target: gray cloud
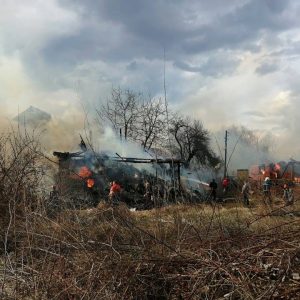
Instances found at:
x=132 y=66
x=254 y=113
x=143 y=28
x=216 y=65
x=216 y=54
x=125 y=31
x=266 y=68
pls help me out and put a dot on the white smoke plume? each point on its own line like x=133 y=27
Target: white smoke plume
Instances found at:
x=245 y=147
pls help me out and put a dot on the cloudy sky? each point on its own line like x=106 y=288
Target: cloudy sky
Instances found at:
x=227 y=62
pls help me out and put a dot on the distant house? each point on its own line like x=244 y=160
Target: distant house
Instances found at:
x=33 y=117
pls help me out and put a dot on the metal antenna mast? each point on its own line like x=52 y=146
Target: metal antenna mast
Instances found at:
x=225 y=156
x=168 y=124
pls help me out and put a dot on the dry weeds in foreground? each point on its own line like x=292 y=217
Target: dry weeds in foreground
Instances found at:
x=176 y=252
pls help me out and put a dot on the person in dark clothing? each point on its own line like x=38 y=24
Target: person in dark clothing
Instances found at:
x=213 y=189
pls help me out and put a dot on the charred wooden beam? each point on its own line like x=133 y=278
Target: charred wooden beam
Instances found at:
x=148 y=160
x=171 y=161
x=66 y=155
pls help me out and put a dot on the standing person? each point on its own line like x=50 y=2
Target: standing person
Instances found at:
x=246 y=192
x=213 y=189
x=225 y=184
x=285 y=195
x=148 y=190
x=267 y=189
x=114 y=193
x=290 y=196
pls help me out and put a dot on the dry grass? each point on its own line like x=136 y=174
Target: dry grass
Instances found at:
x=175 y=252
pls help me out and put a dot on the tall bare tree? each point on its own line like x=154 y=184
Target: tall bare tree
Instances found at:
x=151 y=123
x=140 y=118
x=121 y=111
x=191 y=141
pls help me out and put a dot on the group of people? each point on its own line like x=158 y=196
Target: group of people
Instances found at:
x=246 y=190
x=288 y=195
x=116 y=189
x=214 y=186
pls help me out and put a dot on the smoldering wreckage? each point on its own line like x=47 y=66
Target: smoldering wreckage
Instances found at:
x=85 y=178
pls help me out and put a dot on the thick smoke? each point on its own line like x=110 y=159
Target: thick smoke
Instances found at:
x=110 y=143
x=245 y=147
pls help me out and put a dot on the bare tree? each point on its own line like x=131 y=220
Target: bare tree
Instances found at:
x=191 y=141
x=139 y=118
x=151 y=123
x=121 y=111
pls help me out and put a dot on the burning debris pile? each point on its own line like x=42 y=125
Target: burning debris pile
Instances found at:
x=276 y=171
x=84 y=178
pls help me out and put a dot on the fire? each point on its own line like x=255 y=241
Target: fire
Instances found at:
x=277 y=167
x=85 y=172
x=90 y=183
x=297 y=179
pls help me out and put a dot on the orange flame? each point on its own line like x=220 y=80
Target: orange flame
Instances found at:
x=85 y=172
x=90 y=183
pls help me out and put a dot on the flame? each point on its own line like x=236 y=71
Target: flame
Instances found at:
x=262 y=171
x=84 y=172
x=297 y=179
x=90 y=183
x=277 y=167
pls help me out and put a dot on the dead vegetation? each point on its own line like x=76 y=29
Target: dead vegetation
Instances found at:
x=217 y=251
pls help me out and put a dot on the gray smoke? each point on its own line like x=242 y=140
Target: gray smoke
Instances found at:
x=244 y=147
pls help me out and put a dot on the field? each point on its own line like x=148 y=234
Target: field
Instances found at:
x=199 y=251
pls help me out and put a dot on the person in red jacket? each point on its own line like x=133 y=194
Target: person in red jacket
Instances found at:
x=114 y=192
x=225 y=184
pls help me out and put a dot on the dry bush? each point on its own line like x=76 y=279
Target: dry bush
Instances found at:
x=21 y=172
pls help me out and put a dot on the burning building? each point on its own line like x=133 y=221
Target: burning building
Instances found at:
x=85 y=176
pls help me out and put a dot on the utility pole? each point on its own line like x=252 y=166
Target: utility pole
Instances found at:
x=225 y=156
